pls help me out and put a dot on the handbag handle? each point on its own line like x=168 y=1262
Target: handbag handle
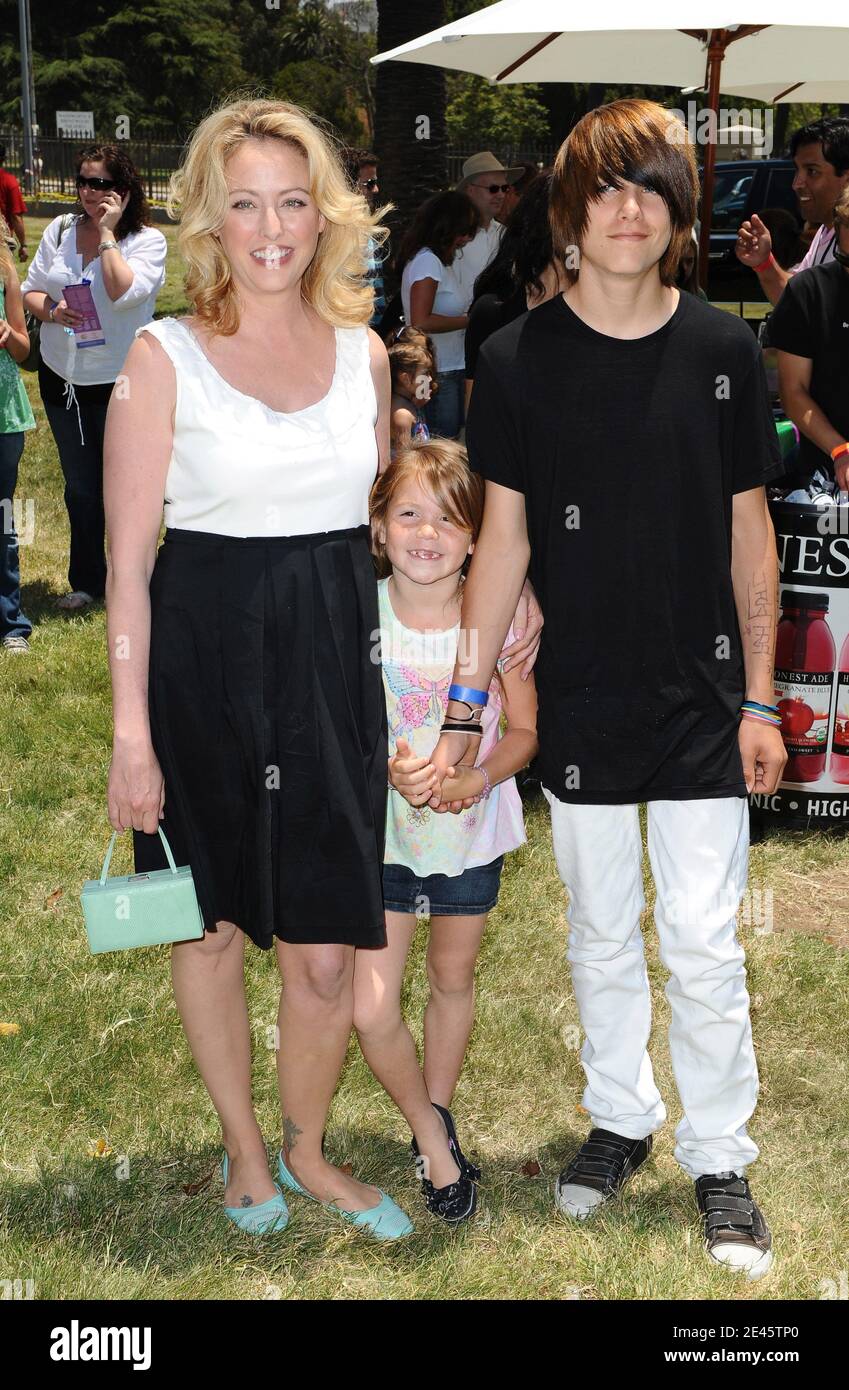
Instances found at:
x=107 y=860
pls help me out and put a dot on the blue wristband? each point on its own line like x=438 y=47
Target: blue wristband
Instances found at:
x=468 y=695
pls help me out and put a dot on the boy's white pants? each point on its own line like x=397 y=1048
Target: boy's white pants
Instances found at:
x=699 y=858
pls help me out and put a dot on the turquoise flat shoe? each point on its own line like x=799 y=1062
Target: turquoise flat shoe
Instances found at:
x=386 y=1221
x=262 y=1220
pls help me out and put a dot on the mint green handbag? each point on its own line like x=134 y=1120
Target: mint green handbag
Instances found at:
x=140 y=909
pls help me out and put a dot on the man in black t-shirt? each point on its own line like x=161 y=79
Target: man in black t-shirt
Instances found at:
x=810 y=329
x=625 y=435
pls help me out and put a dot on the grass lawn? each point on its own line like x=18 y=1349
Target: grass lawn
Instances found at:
x=99 y=1057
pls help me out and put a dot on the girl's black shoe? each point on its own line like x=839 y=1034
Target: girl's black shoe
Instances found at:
x=454 y=1203
x=467 y=1169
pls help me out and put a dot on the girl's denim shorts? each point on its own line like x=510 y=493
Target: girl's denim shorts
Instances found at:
x=469 y=894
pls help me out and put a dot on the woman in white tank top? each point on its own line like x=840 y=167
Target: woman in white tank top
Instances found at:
x=247 y=704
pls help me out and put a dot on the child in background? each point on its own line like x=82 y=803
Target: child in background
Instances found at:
x=16 y=418
x=412 y=370
x=426 y=512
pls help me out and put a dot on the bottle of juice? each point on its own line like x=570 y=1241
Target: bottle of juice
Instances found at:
x=804 y=676
x=839 y=766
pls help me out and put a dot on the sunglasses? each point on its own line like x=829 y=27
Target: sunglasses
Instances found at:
x=98 y=185
x=368 y=183
x=494 y=187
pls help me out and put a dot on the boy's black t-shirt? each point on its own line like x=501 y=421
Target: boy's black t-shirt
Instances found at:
x=811 y=320
x=629 y=453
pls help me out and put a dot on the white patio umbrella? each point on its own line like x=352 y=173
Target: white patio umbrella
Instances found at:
x=782 y=53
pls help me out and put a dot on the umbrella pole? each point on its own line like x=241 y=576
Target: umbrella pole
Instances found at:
x=716 y=53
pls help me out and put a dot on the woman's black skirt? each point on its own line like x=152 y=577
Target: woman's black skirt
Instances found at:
x=268 y=718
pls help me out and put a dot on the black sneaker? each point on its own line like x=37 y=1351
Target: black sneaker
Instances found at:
x=602 y=1165
x=736 y=1234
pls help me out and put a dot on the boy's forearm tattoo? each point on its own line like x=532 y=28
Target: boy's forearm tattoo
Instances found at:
x=761 y=609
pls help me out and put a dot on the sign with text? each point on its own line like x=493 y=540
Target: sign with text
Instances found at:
x=75 y=123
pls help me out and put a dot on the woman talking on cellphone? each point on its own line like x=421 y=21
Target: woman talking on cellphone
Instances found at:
x=110 y=244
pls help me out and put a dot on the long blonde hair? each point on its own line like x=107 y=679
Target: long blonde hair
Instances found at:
x=335 y=282
x=6 y=261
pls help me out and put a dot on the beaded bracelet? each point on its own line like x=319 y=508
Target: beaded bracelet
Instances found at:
x=487 y=787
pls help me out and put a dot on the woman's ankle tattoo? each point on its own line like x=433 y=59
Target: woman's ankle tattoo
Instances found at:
x=290 y=1133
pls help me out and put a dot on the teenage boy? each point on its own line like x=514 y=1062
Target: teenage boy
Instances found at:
x=625 y=435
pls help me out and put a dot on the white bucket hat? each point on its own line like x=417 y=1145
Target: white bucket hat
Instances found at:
x=486 y=163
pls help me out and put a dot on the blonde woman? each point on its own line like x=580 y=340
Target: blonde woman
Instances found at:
x=248 y=701
x=248 y=714
x=16 y=418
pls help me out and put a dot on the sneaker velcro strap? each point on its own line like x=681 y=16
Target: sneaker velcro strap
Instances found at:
x=611 y=1145
x=722 y=1220
x=600 y=1163
x=594 y=1165
x=595 y=1168
x=605 y=1153
x=730 y=1189
x=723 y=1202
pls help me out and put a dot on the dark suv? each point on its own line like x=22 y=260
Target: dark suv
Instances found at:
x=741 y=187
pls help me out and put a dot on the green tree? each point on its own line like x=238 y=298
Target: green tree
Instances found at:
x=156 y=61
x=314 y=31
x=410 y=121
x=180 y=59
x=321 y=89
x=259 y=32
x=479 y=113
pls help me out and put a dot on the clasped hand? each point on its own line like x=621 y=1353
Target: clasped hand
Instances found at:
x=419 y=781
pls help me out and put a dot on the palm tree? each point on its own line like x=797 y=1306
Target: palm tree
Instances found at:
x=409 y=132
x=312 y=31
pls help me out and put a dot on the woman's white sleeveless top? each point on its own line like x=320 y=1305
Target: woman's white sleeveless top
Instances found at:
x=239 y=468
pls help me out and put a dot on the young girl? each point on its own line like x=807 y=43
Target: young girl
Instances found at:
x=426 y=512
x=412 y=370
x=16 y=418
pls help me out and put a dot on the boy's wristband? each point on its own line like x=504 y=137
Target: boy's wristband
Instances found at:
x=764 y=264
x=838 y=450
x=765 y=714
